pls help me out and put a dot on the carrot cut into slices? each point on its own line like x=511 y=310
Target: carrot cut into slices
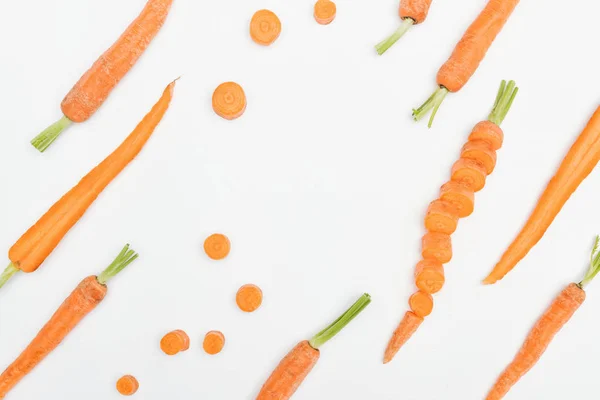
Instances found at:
x=249 y=298
x=429 y=276
x=460 y=196
x=407 y=327
x=214 y=341
x=324 y=12
x=441 y=217
x=470 y=173
x=229 y=100
x=488 y=132
x=265 y=27
x=127 y=385
x=217 y=246
x=437 y=246
x=482 y=152
x=175 y=342
x=416 y=10
x=421 y=303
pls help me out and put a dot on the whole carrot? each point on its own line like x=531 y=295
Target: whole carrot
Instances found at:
x=83 y=300
x=551 y=322
x=411 y=12
x=468 y=54
x=95 y=85
x=30 y=251
x=579 y=162
x=297 y=364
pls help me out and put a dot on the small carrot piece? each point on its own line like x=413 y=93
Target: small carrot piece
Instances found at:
x=421 y=303
x=214 y=341
x=249 y=298
x=30 y=251
x=460 y=196
x=229 y=100
x=411 y=12
x=482 y=152
x=488 y=132
x=407 y=327
x=429 y=276
x=265 y=27
x=85 y=298
x=175 y=342
x=324 y=11
x=437 y=246
x=217 y=246
x=470 y=173
x=128 y=385
x=441 y=217
x=94 y=87
x=297 y=364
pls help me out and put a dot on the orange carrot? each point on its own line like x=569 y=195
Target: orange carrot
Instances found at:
x=265 y=27
x=468 y=54
x=95 y=85
x=421 y=303
x=460 y=196
x=297 y=364
x=175 y=342
x=482 y=152
x=30 y=251
x=217 y=246
x=249 y=298
x=229 y=100
x=470 y=173
x=429 y=276
x=324 y=11
x=576 y=166
x=127 y=385
x=441 y=217
x=411 y=12
x=214 y=341
x=86 y=296
x=551 y=322
x=489 y=132
x=437 y=246
x=408 y=326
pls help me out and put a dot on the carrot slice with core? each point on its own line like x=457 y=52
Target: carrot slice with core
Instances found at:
x=429 y=276
x=482 y=152
x=175 y=342
x=214 y=341
x=470 y=173
x=229 y=100
x=265 y=27
x=325 y=11
x=460 y=196
x=441 y=217
x=127 y=385
x=437 y=246
x=421 y=303
x=249 y=298
x=217 y=246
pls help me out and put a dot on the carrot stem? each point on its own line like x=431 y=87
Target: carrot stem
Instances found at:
x=8 y=273
x=594 y=264
x=432 y=104
x=50 y=134
x=125 y=257
x=385 y=44
x=333 y=329
x=504 y=99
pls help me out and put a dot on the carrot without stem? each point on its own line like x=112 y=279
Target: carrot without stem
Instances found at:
x=30 y=251
x=86 y=296
x=297 y=364
x=579 y=162
x=127 y=385
x=94 y=87
x=265 y=27
x=411 y=12
x=325 y=11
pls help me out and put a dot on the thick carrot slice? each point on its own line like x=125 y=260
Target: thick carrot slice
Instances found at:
x=175 y=342
x=407 y=327
x=217 y=246
x=460 y=196
x=441 y=217
x=470 y=173
x=325 y=11
x=229 y=100
x=421 y=303
x=429 y=276
x=249 y=298
x=265 y=27
x=488 y=132
x=214 y=341
x=437 y=246
x=482 y=152
x=127 y=385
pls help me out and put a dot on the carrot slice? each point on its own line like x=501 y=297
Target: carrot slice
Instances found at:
x=437 y=246
x=421 y=303
x=441 y=217
x=470 y=173
x=214 y=341
x=265 y=27
x=127 y=385
x=460 y=196
x=229 y=100
x=407 y=327
x=325 y=11
x=429 y=276
x=249 y=298
x=217 y=246
x=175 y=342
x=482 y=152
x=488 y=132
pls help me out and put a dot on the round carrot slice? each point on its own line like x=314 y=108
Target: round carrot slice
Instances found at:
x=127 y=385
x=325 y=11
x=437 y=246
x=481 y=151
x=470 y=173
x=421 y=303
x=175 y=342
x=441 y=217
x=249 y=298
x=488 y=132
x=213 y=342
x=429 y=276
x=460 y=196
x=229 y=100
x=217 y=246
x=265 y=27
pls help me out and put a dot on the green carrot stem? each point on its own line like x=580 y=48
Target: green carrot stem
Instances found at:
x=125 y=257
x=50 y=134
x=385 y=44
x=504 y=99
x=326 y=334
x=594 y=267
x=432 y=104
x=8 y=273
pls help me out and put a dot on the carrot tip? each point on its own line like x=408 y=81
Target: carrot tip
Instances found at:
x=385 y=44
x=50 y=134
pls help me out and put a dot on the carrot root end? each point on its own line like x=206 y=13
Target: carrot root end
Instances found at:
x=8 y=273
x=385 y=44
x=50 y=134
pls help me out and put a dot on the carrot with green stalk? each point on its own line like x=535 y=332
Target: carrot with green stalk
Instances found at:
x=83 y=300
x=412 y=12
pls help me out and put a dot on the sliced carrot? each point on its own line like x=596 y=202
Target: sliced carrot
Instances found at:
x=470 y=173
x=421 y=303
x=441 y=217
x=488 y=132
x=265 y=27
x=429 y=276
x=175 y=342
x=325 y=11
x=127 y=385
x=214 y=341
x=249 y=298
x=407 y=327
x=480 y=151
x=229 y=100
x=217 y=246
x=460 y=196
x=437 y=246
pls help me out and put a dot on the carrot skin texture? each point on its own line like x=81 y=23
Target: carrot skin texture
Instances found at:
x=407 y=327
x=290 y=373
x=95 y=85
x=88 y=294
x=416 y=10
x=576 y=166
x=556 y=316
x=39 y=241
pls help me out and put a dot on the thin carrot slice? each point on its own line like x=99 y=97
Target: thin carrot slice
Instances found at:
x=437 y=246
x=407 y=327
x=229 y=100
x=175 y=342
x=441 y=217
x=460 y=196
x=470 y=173
x=421 y=303
x=249 y=298
x=265 y=27
x=325 y=11
x=214 y=341
x=127 y=385
x=488 y=132
x=217 y=246
x=482 y=152
x=429 y=276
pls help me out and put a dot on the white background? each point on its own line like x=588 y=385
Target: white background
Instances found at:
x=321 y=186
